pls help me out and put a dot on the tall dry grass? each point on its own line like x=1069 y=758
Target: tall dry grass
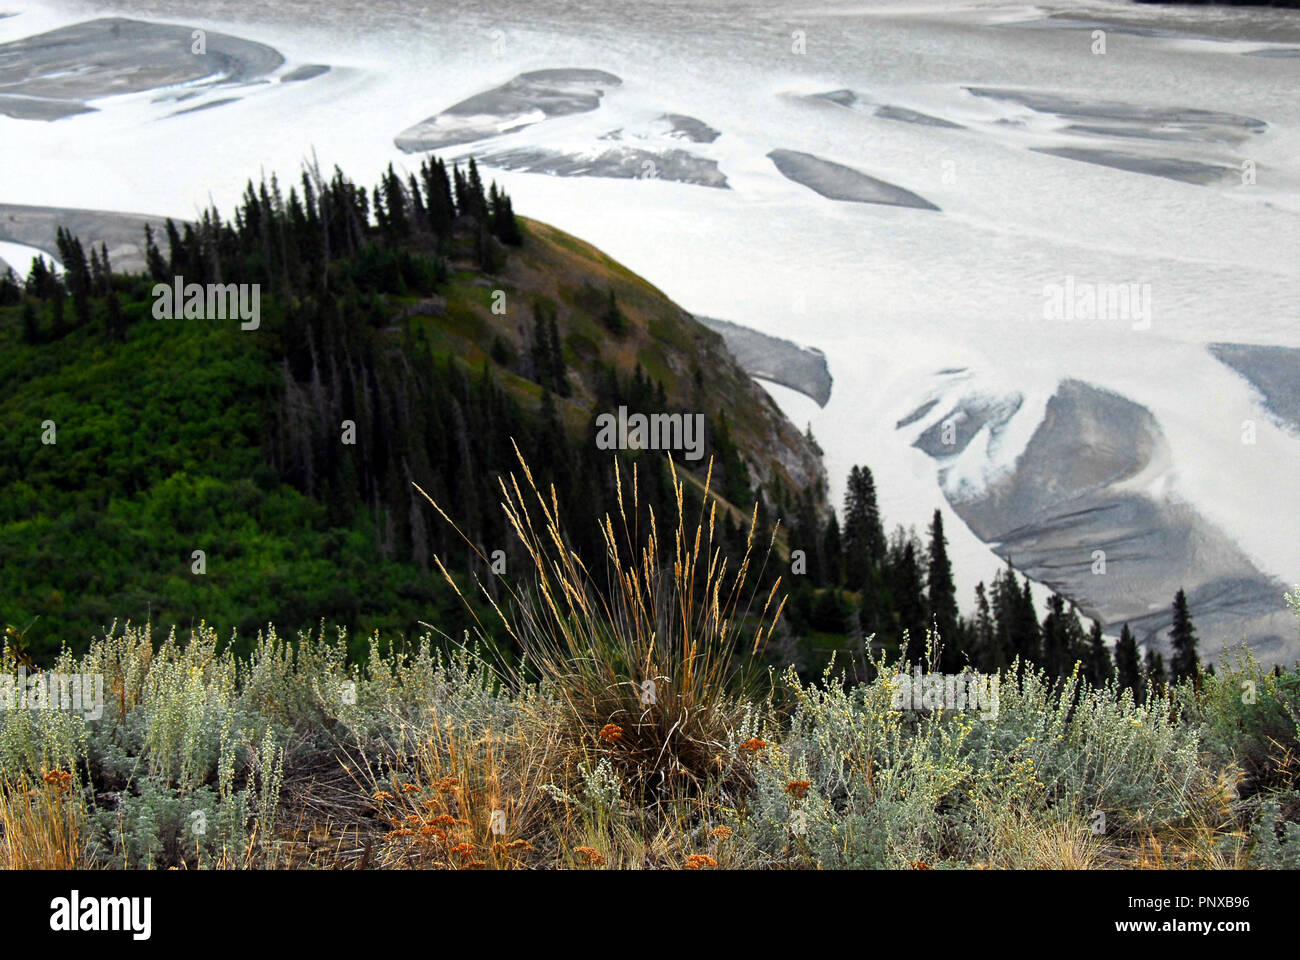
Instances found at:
x=41 y=822
x=647 y=668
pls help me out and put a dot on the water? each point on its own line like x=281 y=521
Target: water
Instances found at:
x=892 y=295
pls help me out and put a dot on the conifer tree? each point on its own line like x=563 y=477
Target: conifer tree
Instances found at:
x=1100 y=666
x=989 y=654
x=59 y=327
x=612 y=317
x=1026 y=634
x=153 y=258
x=833 y=552
x=114 y=321
x=1184 y=662
x=864 y=536
x=1154 y=671
x=31 y=329
x=943 y=595
x=1128 y=666
x=908 y=590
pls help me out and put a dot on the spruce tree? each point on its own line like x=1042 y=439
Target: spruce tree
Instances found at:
x=989 y=654
x=1026 y=634
x=612 y=317
x=1183 y=662
x=1055 y=638
x=31 y=329
x=1128 y=666
x=908 y=590
x=1154 y=672
x=154 y=263
x=943 y=596
x=1101 y=669
x=114 y=321
x=864 y=537
x=833 y=552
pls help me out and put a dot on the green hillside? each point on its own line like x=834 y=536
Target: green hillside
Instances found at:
x=425 y=314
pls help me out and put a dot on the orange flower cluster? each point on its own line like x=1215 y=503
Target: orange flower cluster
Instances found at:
x=920 y=865
x=501 y=849
x=611 y=732
x=591 y=857
x=798 y=788
x=698 y=861
x=60 y=780
x=720 y=833
x=753 y=745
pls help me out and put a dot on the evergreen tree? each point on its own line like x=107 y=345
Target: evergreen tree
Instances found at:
x=1184 y=662
x=943 y=596
x=11 y=290
x=1154 y=671
x=864 y=537
x=474 y=192
x=612 y=317
x=908 y=590
x=59 y=328
x=1100 y=667
x=1128 y=666
x=1027 y=636
x=31 y=329
x=154 y=263
x=114 y=321
x=989 y=655
x=833 y=552
x=40 y=279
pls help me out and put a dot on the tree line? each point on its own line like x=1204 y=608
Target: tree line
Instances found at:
x=862 y=583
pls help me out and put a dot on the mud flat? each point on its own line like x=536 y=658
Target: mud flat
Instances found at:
x=622 y=162
x=1171 y=168
x=55 y=74
x=1079 y=487
x=838 y=182
x=122 y=233
x=1273 y=371
x=1114 y=118
x=525 y=100
x=683 y=127
x=771 y=358
x=886 y=111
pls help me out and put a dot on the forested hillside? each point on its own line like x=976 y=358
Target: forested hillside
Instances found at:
x=411 y=334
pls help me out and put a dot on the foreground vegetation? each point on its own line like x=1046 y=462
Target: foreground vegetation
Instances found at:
x=631 y=734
